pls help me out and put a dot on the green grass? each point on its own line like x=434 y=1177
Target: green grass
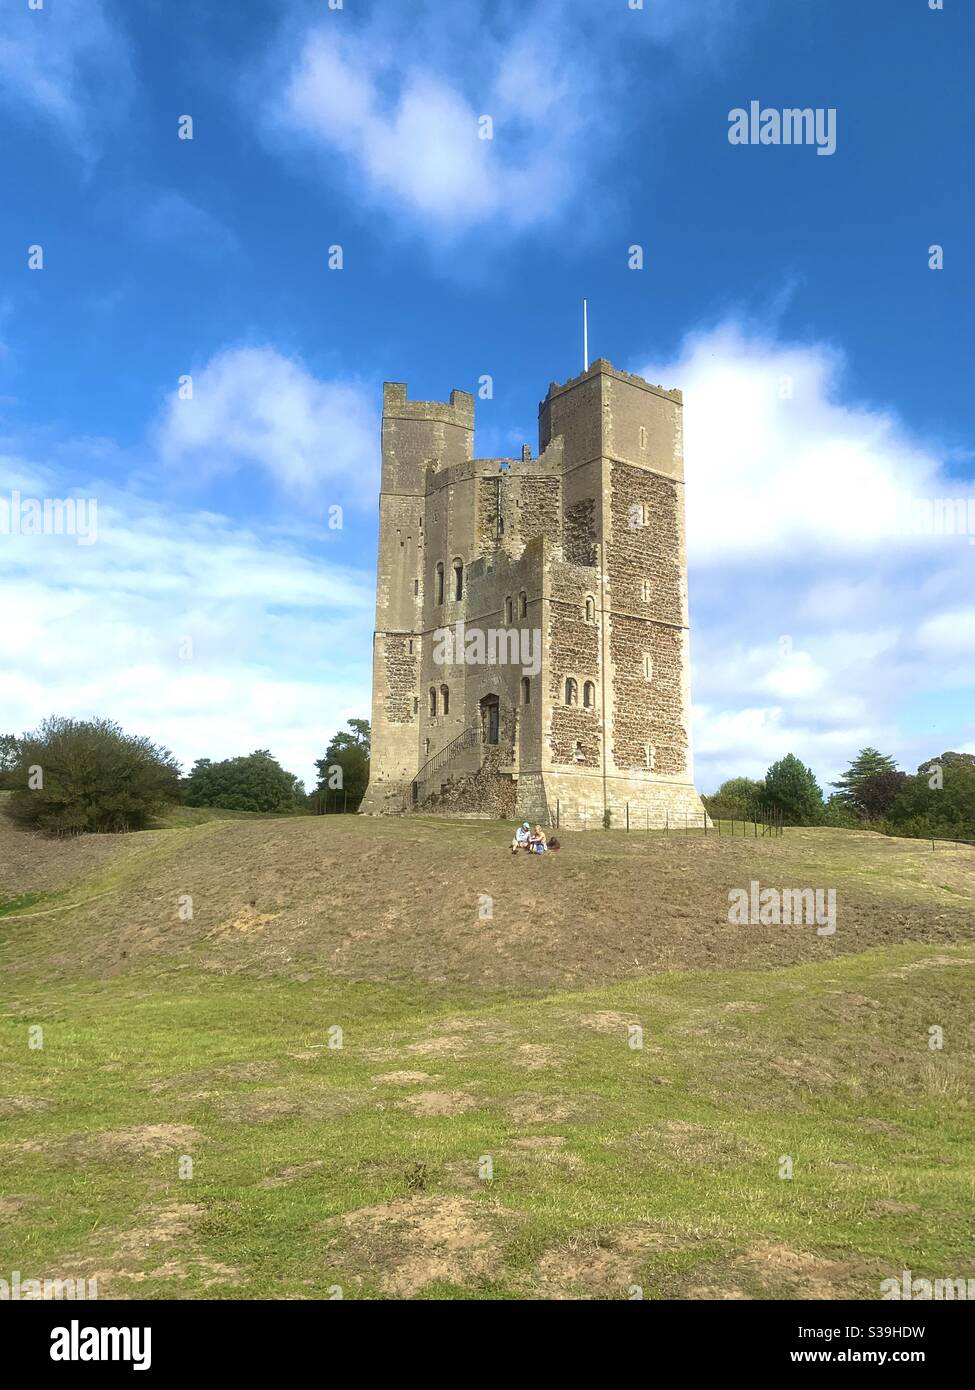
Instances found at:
x=680 y=1141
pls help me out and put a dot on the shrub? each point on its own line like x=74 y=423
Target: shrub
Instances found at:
x=74 y=776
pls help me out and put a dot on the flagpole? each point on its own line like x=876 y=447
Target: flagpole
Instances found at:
x=585 y=336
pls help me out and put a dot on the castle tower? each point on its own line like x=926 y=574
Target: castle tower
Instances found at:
x=572 y=569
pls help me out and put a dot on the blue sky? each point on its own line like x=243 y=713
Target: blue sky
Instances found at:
x=826 y=367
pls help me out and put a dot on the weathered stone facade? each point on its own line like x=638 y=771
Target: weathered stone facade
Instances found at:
x=578 y=559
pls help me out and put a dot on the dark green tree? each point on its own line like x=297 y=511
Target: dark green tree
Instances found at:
x=867 y=763
x=76 y=775
x=939 y=801
x=343 y=773
x=256 y=782
x=792 y=788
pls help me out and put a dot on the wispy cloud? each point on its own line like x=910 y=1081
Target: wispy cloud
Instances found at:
x=170 y=219
x=58 y=62
x=403 y=101
x=252 y=406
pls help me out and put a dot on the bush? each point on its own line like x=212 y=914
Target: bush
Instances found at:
x=75 y=776
x=255 y=783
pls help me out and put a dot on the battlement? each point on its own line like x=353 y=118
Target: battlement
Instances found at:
x=603 y=367
x=459 y=410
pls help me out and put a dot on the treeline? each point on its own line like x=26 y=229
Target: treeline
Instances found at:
x=72 y=776
x=936 y=802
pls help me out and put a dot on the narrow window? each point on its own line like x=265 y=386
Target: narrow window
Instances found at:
x=643 y=436
x=522 y=605
x=416 y=705
x=578 y=756
x=526 y=690
x=589 y=695
x=507 y=612
x=590 y=609
x=426 y=745
x=433 y=699
x=409 y=646
x=651 y=755
x=571 y=692
x=416 y=587
x=647 y=666
x=439 y=581
x=646 y=591
x=458 y=579
x=444 y=700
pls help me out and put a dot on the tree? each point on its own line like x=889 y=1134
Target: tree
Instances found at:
x=868 y=763
x=877 y=793
x=939 y=801
x=257 y=782
x=739 y=798
x=345 y=766
x=792 y=787
x=9 y=758
x=78 y=775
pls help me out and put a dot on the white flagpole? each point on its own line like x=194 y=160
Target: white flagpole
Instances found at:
x=585 y=336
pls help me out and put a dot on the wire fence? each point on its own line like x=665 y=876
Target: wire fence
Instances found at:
x=635 y=819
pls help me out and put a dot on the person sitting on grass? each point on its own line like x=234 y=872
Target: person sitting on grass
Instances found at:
x=537 y=842
x=521 y=839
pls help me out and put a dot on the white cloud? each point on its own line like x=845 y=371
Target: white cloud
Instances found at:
x=399 y=100
x=59 y=61
x=254 y=406
x=815 y=622
x=277 y=660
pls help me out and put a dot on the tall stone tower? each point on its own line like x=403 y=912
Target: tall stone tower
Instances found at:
x=531 y=645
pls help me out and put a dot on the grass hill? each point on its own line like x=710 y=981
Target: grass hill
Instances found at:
x=487 y=1127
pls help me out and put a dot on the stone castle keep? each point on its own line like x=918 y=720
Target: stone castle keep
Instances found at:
x=531 y=645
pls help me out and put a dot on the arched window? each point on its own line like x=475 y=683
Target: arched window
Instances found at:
x=433 y=699
x=647 y=666
x=439 y=588
x=590 y=609
x=507 y=611
x=578 y=756
x=571 y=691
x=526 y=690
x=589 y=695
x=458 y=579
x=444 y=700
x=522 y=605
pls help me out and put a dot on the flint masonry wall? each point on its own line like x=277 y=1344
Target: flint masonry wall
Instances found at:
x=583 y=546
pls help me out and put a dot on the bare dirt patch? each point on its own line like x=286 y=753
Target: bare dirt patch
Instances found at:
x=771 y=1270
x=428 y=1103
x=22 y=1105
x=403 y=1078
x=416 y=1241
x=267 y=1105
x=598 y=1266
